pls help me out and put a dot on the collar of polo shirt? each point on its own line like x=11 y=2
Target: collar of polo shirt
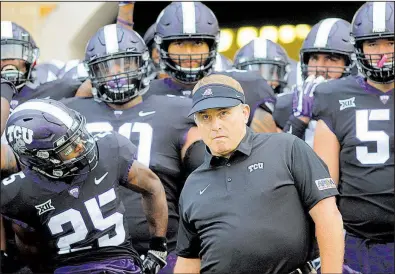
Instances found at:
x=244 y=148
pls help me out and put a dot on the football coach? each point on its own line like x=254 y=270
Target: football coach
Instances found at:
x=258 y=200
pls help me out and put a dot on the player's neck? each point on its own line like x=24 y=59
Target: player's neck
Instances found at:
x=127 y=105
x=186 y=86
x=381 y=87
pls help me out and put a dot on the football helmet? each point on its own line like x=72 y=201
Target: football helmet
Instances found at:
x=374 y=20
x=268 y=58
x=17 y=44
x=117 y=61
x=149 y=36
x=187 y=21
x=222 y=63
x=331 y=35
x=44 y=133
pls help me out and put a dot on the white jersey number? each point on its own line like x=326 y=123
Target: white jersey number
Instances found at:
x=145 y=140
x=365 y=135
x=80 y=230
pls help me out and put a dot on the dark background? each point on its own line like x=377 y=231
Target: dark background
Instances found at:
x=235 y=14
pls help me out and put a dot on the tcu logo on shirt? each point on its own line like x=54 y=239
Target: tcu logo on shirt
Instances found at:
x=18 y=132
x=256 y=166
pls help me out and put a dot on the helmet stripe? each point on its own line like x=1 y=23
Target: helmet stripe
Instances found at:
x=260 y=48
x=323 y=32
x=6 y=29
x=111 y=38
x=55 y=111
x=379 y=16
x=188 y=17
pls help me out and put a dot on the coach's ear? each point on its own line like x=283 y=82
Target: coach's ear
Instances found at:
x=246 y=112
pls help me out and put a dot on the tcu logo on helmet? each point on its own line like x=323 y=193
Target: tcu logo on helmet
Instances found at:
x=18 y=132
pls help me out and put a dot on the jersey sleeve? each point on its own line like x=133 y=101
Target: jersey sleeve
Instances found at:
x=188 y=243
x=7 y=90
x=311 y=175
x=282 y=109
x=321 y=108
x=127 y=152
x=11 y=195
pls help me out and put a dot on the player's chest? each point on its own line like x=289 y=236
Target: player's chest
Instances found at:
x=356 y=114
x=97 y=195
x=365 y=126
x=139 y=128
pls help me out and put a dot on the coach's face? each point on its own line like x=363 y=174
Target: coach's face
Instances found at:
x=222 y=129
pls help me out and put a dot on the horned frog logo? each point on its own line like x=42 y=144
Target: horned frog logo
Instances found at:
x=20 y=146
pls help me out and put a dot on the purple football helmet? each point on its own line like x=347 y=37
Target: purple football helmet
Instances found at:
x=331 y=36
x=45 y=134
x=268 y=58
x=182 y=21
x=117 y=60
x=374 y=20
x=17 y=44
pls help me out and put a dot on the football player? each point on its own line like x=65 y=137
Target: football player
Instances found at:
x=19 y=55
x=325 y=54
x=68 y=192
x=187 y=36
x=269 y=59
x=355 y=138
x=7 y=91
x=117 y=61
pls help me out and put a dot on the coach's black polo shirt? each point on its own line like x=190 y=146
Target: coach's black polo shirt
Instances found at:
x=249 y=214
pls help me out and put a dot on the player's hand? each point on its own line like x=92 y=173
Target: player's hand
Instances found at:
x=154 y=261
x=303 y=98
x=156 y=256
x=123 y=3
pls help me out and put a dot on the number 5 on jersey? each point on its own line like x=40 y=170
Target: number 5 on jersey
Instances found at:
x=363 y=133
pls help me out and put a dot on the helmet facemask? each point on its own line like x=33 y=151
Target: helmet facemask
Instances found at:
x=120 y=77
x=13 y=49
x=345 y=70
x=378 y=68
x=189 y=74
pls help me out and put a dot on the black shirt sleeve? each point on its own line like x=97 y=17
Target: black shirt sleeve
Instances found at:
x=188 y=243
x=7 y=90
x=127 y=152
x=311 y=175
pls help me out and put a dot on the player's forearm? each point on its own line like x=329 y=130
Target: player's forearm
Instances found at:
x=156 y=211
x=329 y=232
x=5 y=112
x=185 y=265
x=144 y=181
x=2 y=235
x=125 y=14
x=263 y=122
x=8 y=162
